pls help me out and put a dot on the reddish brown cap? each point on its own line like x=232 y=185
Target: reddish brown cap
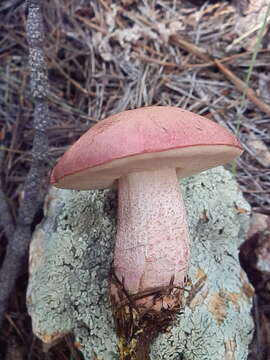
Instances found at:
x=144 y=139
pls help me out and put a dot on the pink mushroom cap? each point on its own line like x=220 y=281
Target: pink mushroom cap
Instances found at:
x=144 y=139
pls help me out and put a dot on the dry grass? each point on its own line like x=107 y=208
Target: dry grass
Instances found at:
x=107 y=57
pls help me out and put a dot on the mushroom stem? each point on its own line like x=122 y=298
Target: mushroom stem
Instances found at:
x=151 y=256
x=152 y=242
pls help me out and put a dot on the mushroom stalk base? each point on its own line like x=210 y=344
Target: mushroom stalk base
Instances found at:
x=151 y=258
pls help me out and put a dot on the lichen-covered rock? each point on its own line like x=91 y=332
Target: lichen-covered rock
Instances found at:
x=71 y=256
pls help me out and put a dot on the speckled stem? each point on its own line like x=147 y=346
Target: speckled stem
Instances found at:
x=152 y=243
x=150 y=260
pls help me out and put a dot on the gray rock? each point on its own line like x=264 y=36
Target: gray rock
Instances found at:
x=71 y=256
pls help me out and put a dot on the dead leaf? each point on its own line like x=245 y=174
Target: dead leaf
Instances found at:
x=258 y=222
x=217 y=307
x=240 y=210
x=200 y=274
x=261 y=152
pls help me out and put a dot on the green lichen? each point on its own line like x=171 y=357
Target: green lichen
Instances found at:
x=69 y=290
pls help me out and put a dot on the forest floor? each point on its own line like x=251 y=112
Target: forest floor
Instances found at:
x=107 y=56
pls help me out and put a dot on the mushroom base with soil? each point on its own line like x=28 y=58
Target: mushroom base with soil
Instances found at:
x=136 y=330
x=150 y=260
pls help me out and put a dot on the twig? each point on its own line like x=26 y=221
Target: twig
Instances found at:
x=6 y=220
x=224 y=59
x=18 y=244
x=240 y=84
x=92 y=25
x=189 y=47
x=150 y=60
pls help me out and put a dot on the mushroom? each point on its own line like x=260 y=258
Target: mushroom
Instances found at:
x=143 y=152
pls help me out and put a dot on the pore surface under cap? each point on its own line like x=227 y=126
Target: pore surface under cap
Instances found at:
x=144 y=139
